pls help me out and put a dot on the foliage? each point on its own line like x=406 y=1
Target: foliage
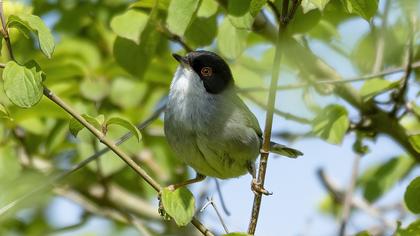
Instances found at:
x=111 y=61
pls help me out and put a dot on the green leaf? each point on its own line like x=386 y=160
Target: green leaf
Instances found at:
x=162 y=4
x=130 y=24
x=94 y=121
x=202 y=31
x=381 y=179
x=375 y=86
x=236 y=234
x=207 y=8
x=94 y=89
x=126 y=124
x=32 y=23
x=364 y=8
x=242 y=12
x=412 y=196
x=230 y=40
x=363 y=233
x=4 y=114
x=331 y=124
x=412 y=230
x=308 y=5
x=136 y=58
x=180 y=15
x=75 y=127
x=302 y=23
x=23 y=84
x=179 y=204
x=415 y=142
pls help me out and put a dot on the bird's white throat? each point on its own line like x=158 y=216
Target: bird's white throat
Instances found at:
x=188 y=98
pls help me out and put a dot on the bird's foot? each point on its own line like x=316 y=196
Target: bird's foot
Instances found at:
x=257 y=188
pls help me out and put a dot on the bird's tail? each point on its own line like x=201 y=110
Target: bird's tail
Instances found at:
x=284 y=150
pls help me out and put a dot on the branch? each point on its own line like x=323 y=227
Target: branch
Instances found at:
x=338 y=195
x=269 y=117
x=348 y=196
x=320 y=81
x=287 y=116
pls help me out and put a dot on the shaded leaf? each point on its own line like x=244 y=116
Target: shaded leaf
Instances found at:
x=382 y=178
x=126 y=124
x=23 y=84
x=180 y=15
x=75 y=127
x=94 y=121
x=179 y=204
x=162 y=4
x=32 y=23
x=242 y=12
x=94 y=89
x=331 y=124
x=412 y=196
x=202 y=31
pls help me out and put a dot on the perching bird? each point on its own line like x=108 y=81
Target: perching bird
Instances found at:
x=208 y=126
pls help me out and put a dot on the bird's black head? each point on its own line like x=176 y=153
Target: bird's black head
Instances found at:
x=212 y=69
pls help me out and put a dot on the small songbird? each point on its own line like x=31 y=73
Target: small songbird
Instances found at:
x=208 y=126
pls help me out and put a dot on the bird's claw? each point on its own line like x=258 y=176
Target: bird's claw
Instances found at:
x=257 y=188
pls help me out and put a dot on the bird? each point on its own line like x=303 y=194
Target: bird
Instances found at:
x=208 y=126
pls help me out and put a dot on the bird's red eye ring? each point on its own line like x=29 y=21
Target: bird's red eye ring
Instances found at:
x=206 y=71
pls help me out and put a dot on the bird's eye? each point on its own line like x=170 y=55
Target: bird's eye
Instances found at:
x=206 y=71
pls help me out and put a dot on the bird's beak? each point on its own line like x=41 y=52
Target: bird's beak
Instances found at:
x=181 y=59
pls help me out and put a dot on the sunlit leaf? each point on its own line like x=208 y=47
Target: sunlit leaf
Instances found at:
x=331 y=124
x=236 y=234
x=308 y=5
x=126 y=124
x=415 y=142
x=135 y=58
x=179 y=204
x=202 y=31
x=364 y=8
x=412 y=196
x=180 y=15
x=207 y=8
x=162 y=5
x=130 y=24
x=23 y=84
x=94 y=89
x=376 y=86
x=411 y=230
x=230 y=40
x=32 y=23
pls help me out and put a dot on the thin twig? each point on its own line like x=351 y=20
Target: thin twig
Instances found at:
x=338 y=196
x=414 y=65
x=210 y=201
x=287 y=116
x=222 y=200
x=380 y=44
x=5 y=32
x=349 y=196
